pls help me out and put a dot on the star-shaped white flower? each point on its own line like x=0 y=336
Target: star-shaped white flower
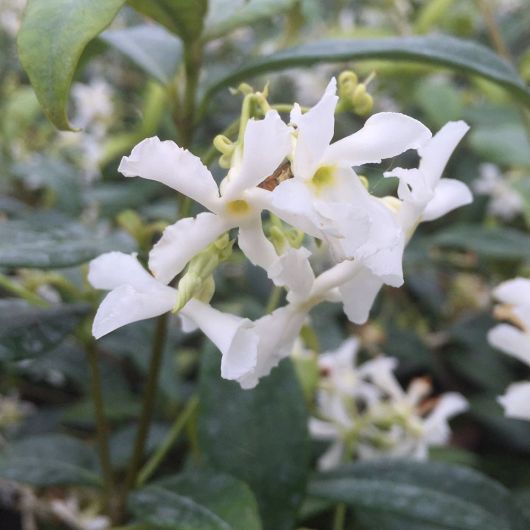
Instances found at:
x=327 y=199
x=424 y=196
x=250 y=349
x=238 y=203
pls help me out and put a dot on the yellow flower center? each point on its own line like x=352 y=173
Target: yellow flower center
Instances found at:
x=324 y=177
x=238 y=207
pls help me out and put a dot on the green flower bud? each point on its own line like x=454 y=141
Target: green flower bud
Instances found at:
x=197 y=282
x=348 y=80
x=361 y=100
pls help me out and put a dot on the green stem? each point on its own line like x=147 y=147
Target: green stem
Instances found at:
x=192 y=67
x=14 y=288
x=155 y=460
x=147 y=407
x=101 y=421
x=339 y=517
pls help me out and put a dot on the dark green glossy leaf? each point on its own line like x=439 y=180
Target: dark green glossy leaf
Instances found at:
x=53 y=35
x=198 y=500
x=61 y=243
x=493 y=243
x=28 y=331
x=441 y=50
x=122 y=443
x=50 y=460
x=182 y=17
x=258 y=436
x=433 y=495
x=226 y=15
x=505 y=144
x=150 y=47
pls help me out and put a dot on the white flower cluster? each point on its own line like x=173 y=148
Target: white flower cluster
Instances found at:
x=11 y=15
x=323 y=198
x=514 y=339
x=94 y=110
x=366 y=414
x=505 y=202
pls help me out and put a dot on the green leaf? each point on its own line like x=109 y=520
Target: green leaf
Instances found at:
x=59 y=243
x=122 y=443
x=52 y=37
x=424 y=495
x=258 y=436
x=505 y=144
x=182 y=17
x=50 y=460
x=442 y=50
x=198 y=500
x=150 y=47
x=28 y=331
x=493 y=243
x=225 y=16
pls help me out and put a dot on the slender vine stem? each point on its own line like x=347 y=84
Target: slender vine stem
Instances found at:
x=101 y=420
x=159 y=455
x=339 y=517
x=148 y=403
x=7 y=284
x=493 y=29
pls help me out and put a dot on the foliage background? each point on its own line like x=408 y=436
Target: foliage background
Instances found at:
x=168 y=75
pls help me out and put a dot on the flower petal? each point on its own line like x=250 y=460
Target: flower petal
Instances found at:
x=358 y=295
x=516 y=401
x=277 y=334
x=315 y=131
x=293 y=203
x=293 y=271
x=253 y=243
x=512 y=341
x=183 y=240
x=436 y=426
x=126 y=304
x=435 y=154
x=384 y=135
x=449 y=194
x=332 y=457
x=173 y=166
x=515 y=292
x=267 y=142
x=232 y=335
x=115 y=269
x=322 y=430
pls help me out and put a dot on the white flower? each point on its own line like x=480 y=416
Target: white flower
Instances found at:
x=424 y=196
x=93 y=103
x=134 y=294
x=514 y=340
x=364 y=411
x=11 y=15
x=239 y=203
x=516 y=401
x=69 y=512
x=505 y=202
x=250 y=349
x=327 y=199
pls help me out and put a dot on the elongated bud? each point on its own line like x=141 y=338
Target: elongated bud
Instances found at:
x=197 y=282
x=277 y=238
